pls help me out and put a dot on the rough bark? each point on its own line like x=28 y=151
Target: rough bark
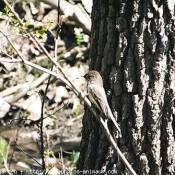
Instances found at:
x=132 y=46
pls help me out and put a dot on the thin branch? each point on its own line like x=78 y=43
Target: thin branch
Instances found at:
x=9 y=40
x=44 y=98
x=57 y=75
x=21 y=22
x=41 y=127
x=29 y=155
x=10 y=61
x=114 y=145
x=13 y=11
x=23 y=150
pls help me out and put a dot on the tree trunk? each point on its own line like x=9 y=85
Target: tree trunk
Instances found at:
x=132 y=46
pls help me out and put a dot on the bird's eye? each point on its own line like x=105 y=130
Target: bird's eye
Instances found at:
x=89 y=76
x=92 y=76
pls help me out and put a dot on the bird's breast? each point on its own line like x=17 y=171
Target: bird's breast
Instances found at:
x=90 y=94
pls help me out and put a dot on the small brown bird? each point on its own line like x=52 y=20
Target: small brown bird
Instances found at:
x=97 y=94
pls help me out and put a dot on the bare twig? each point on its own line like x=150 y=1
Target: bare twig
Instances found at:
x=41 y=126
x=62 y=160
x=44 y=98
x=58 y=76
x=114 y=145
x=29 y=155
x=13 y=11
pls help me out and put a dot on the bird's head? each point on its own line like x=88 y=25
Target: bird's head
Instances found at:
x=93 y=77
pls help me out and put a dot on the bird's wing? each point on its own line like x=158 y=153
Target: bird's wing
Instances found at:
x=99 y=95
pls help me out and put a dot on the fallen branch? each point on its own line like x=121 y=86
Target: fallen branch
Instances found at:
x=22 y=91
x=73 y=12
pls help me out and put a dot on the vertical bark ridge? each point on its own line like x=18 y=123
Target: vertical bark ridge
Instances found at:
x=110 y=45
x=89 y=143
x=168 y=121
x=95 y=17
x=100 y=28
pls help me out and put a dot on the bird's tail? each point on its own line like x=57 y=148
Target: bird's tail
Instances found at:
x=116 y=125
x=110 y=115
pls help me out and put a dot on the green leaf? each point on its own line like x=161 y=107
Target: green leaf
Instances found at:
x=74 y=157
x=77 y=106
x=3 y=147
x=79 y=36
x=79 y=55
x=2 y=15
x=42 y=34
